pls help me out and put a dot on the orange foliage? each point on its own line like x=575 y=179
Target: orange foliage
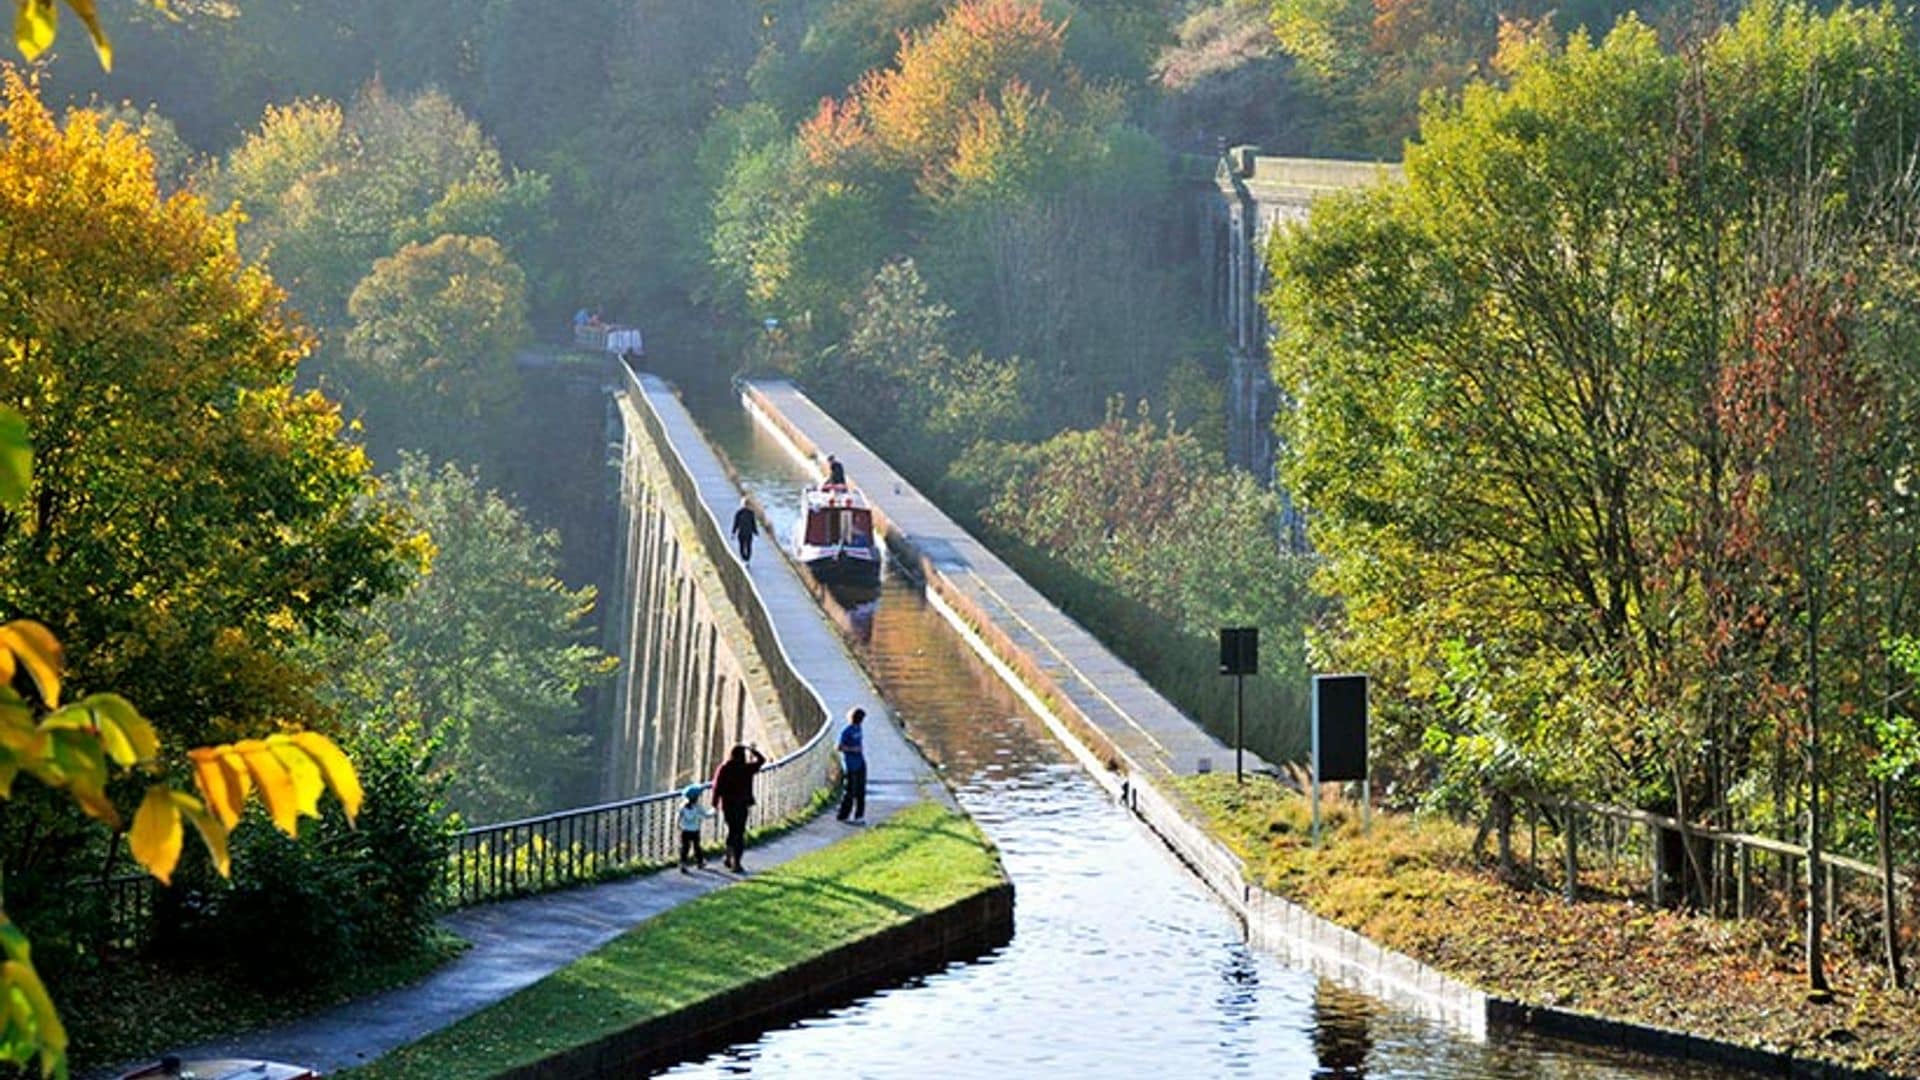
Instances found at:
x=1005 y=145
x=836 y=139
x=984 y=71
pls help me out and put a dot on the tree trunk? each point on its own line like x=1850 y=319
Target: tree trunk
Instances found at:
x=1817 y=988
x=1889 y=896
x=1503 y=828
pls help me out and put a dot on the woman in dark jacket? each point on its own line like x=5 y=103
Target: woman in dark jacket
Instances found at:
x=733 y=794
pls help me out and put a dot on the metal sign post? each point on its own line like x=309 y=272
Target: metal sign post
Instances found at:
x=1340 y=740
x=1239 y=657
x=1313 y=777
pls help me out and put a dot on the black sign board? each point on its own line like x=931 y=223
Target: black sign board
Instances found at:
x=1240 y=650
x=1340 y=726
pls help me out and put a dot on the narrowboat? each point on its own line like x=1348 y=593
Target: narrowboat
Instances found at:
x=834 y=537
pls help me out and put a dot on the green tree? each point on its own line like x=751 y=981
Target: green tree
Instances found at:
x=1509 y=375
x=328 y=191
x=898 y=372
x=1176 y=545
x=193 y=515
x=1011 y=163
x=77 y=749
x=430 y=358
x=484 y=658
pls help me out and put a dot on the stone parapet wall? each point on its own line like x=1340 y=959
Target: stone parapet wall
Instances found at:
x=701 y=667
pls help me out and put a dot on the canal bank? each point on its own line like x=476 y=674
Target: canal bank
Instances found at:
x=920 y=890
x=1128 y=741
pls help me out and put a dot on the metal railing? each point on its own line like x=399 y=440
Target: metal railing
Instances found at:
x=570 y=847
x=514 y=858
x=578 y=845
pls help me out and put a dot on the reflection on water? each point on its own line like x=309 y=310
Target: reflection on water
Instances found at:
x=1342 y=1031
x=1121 y=965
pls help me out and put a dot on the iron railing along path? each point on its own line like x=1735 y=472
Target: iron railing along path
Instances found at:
x=533 y=854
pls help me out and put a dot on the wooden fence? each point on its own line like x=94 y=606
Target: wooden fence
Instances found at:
x=1591 y=836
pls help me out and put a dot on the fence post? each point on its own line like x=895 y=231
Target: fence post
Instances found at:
x=1658 y=888
x=1831 y=874
x=1571 y=823
x=1743 y=904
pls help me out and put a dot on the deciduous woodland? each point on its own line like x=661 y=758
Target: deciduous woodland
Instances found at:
x=1596 y=433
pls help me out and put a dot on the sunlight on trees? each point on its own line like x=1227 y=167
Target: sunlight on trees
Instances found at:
x=1593 y=396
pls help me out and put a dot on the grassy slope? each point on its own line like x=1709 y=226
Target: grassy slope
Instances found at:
x=1414 y=886
x=920 y=860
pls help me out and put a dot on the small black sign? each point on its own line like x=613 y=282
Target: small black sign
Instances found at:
x=1340 y=726
x=1240 y=650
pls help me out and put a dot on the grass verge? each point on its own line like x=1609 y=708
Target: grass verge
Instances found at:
x=1415 y=886
x=920 y=860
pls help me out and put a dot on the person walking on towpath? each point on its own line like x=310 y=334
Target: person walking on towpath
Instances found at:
x=733 y=794
x=745 y=528
x=692 y=817
x=853 y=757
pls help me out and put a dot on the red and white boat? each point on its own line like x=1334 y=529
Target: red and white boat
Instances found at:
x=834 y=537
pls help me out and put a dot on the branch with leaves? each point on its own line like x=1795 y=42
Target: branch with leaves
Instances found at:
x=37 y=22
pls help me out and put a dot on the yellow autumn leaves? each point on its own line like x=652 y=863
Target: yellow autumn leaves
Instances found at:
x=73 y=747
x=36 y=22
x=290 y=773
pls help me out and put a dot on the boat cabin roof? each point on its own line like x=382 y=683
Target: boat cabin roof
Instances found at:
x=834 y=497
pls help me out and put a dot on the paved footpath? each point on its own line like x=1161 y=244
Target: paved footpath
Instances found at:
x=517 y=942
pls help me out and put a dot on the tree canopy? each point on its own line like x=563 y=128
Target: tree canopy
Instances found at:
x=327 y=190
x=430 y=357
x=1570 y=399
x=192 y=514
x=484 y=658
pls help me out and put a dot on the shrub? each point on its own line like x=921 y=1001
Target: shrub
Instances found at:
x=301 y=911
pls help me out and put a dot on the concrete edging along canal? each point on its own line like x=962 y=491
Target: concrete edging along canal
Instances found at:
x=951 y=562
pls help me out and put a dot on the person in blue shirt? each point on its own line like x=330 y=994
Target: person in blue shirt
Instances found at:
x=853 y=758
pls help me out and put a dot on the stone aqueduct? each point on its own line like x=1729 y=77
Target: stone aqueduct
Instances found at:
x=690 y=680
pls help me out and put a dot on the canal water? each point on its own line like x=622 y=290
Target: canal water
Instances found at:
x=1121 y=963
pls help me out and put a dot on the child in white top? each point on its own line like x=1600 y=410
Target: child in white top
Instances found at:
x=692 y=816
